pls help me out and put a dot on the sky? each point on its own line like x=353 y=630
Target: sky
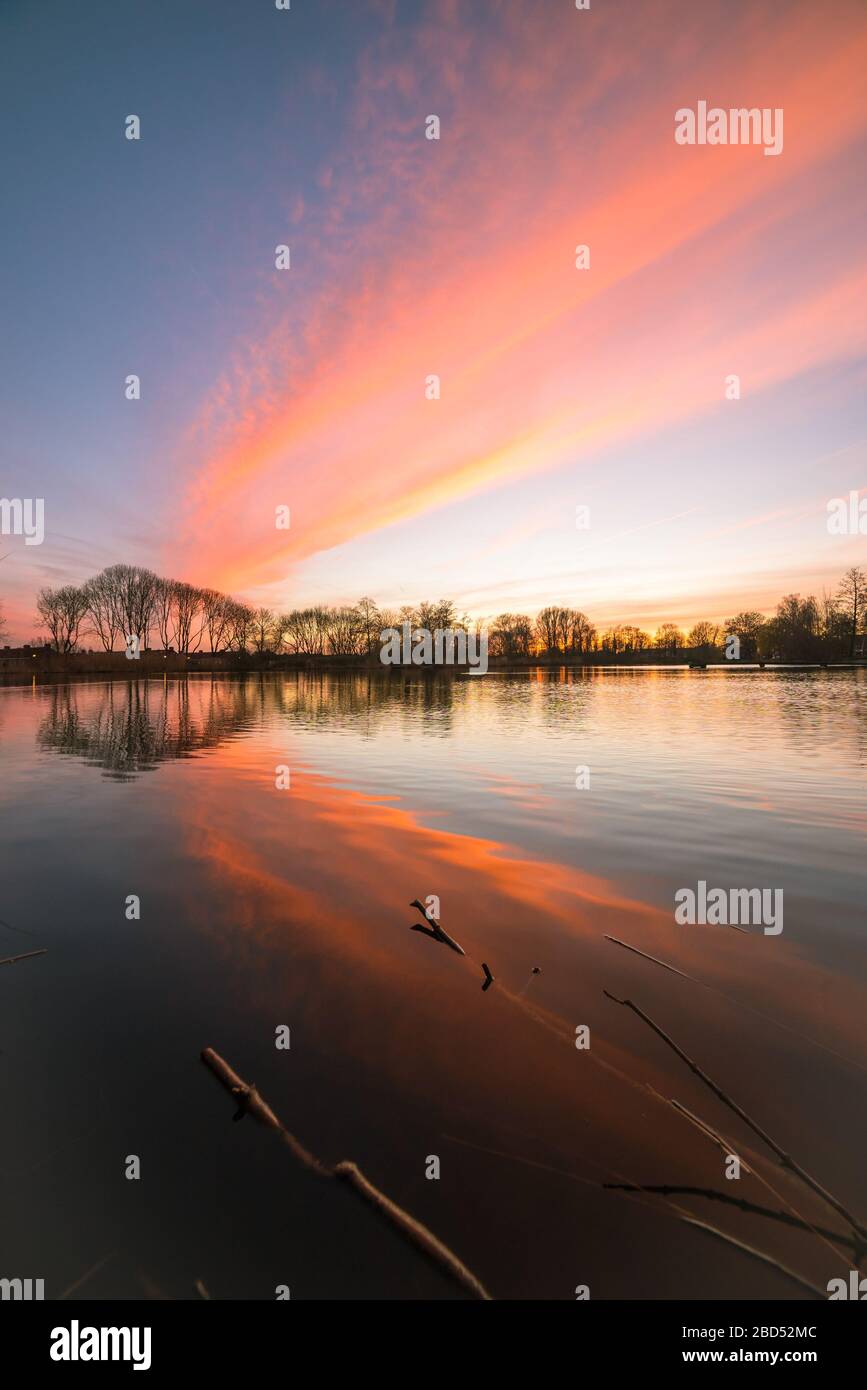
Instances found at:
x=560 y=388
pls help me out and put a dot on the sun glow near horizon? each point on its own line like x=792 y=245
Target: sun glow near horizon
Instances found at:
x=558 y=386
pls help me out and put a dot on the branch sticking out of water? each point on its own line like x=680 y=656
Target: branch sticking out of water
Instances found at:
x=785 y=1159
x=433 y=929
x=251 y=1103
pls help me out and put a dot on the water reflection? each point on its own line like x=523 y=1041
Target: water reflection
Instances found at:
x=263 y=907
x=130 y=727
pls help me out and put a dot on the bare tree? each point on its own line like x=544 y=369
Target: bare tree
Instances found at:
x=370 y=623
x=563 y=628
x=262 y=630
x=794 y=634
x=189 y=617
x=852 y=601
x=216 y=609
x=548 y=629
x=164 y=609
x=240 y=624
x=669 y=638
x=102 y=609
x=307 y=630
x=432 y=616
x=747 y=627
x=132 y=593
x=62 y=611
x=582 y=633
x=613 y=640
x=703 y=634
x=345 y=633
x=511 y=635
x=634 y=639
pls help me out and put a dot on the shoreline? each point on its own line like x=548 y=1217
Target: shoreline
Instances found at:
x=52 y=665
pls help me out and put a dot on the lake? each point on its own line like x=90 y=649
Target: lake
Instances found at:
x=547 y=811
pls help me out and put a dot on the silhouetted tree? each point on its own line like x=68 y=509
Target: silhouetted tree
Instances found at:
x=548 y=629
x=240 y=625
x=370 y=623
x=345 y=634
x=216 y=609
x=262 y=631
x=189 y=617
x=102 y=609
x=793 y=634
x=703 y=634
x=669 y=638
x=747 y=627
x=62 y=611
x=852 y=601
x=511 y=635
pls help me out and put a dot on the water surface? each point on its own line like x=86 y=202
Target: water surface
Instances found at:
x=263 y=907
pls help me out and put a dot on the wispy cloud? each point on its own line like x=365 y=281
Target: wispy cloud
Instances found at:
x=457 y=257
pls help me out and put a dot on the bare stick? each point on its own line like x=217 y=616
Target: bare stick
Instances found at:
x=722 y=1143
x=12 y=960
x=728 y=1147
x=644 y=954
x=84 y=1277
x=250 y=1102
x=785 y=1159
x=751 y=1250
x=742 y=1204
x=740 y=1004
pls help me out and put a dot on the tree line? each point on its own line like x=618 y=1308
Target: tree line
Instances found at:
x=171 y=615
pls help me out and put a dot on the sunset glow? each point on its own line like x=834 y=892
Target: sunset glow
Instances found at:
x=560 y=387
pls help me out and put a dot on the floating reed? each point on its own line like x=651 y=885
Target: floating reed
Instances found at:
x=785 y=1158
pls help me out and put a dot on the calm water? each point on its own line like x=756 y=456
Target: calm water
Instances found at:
x=263 y=907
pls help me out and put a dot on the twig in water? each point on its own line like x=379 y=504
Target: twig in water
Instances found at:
x=19 y=930
x=12 y=960
x=434 y=930
x=636 y=952
x=785 y=1159
x=728 y=1147
x=749 y=1250
x=725 y=1145
x=635 y=1190
x=251 y=1103
x=740 y=1004
x=742 y=1204
x=89 y=1275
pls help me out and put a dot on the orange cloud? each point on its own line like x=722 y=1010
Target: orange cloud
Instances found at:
x=462 y=263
